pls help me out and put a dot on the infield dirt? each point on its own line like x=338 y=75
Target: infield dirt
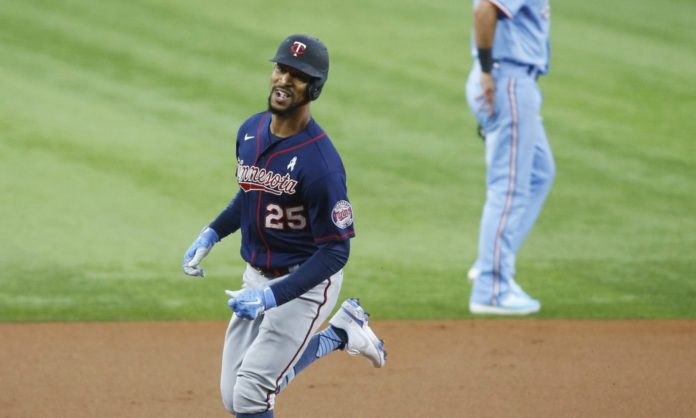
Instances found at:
x=482 y=368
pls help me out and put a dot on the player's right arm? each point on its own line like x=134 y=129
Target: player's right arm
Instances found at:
x=485 y=20
x=227 y=222
x=230 y=219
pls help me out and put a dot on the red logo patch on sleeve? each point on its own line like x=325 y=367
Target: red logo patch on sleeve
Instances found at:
x=342 y=214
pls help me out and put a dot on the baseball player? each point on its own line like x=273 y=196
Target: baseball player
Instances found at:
x=510 y=46
x=296 y=221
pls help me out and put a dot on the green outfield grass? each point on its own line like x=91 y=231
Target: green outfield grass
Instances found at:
x=117 y=125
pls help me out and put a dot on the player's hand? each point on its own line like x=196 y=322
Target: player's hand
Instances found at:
x=250 y=303
x=197 y=251
x=487 y=97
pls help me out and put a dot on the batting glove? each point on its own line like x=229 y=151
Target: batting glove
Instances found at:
x=250 y=303
x=198 y=250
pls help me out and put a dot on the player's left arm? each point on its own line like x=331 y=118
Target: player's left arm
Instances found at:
x=329 y=259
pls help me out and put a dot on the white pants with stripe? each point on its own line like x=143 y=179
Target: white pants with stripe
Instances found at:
x=258 y=353
x=520 y=172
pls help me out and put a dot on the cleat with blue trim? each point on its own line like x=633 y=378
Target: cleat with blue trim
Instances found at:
x=352 y=318
x=514 y=302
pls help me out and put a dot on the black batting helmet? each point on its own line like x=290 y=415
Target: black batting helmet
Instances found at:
x=309 y=55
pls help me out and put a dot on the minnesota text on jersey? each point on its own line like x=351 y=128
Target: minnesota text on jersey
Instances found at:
x=255 y=178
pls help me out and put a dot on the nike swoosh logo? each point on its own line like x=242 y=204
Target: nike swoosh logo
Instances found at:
x=256 y=301
x=248 y=137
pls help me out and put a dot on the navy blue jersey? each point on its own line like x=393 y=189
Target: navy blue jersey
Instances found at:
x=294 y=193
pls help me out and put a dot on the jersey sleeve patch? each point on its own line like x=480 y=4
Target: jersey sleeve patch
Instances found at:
x=342 y=214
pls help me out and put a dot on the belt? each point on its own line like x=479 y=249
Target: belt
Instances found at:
x=530 y=70
x=275 y=272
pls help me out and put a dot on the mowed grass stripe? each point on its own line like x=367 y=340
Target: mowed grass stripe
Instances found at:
x=125 y=59
x=117 y=146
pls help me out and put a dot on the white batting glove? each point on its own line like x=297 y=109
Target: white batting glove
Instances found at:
x=197 y=251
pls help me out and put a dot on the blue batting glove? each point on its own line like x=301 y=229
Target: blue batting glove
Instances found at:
x=198 y=250
x=250 y=303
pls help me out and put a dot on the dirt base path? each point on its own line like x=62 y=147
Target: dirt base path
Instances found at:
x=482 y=368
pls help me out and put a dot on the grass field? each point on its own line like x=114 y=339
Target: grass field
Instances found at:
x=117 y=122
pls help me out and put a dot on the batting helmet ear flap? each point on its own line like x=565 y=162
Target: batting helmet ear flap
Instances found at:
x=314 y=88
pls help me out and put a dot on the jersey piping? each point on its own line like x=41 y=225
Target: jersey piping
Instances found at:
x=259 y=230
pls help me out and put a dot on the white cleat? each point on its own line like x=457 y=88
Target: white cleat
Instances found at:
x=352 y=318
x=515 y=302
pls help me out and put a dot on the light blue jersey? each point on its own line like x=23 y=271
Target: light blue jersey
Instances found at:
x=522 y=33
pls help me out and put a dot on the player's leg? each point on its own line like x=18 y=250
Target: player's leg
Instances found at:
x=543 y=174
x=509 y=156
x=321 y=344
x=239 y=336
x=485 y=125
x=494 y=229
x=348 y=330
x=266 y=414
x=283 y=336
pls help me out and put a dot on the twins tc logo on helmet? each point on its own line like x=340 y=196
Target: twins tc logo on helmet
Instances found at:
x=298 y=48
x=342 y=214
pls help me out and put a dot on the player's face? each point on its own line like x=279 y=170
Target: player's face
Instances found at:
x=288 y=90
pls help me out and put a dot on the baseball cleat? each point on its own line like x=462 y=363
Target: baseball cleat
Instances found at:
x=514 y=302
x=352 y=318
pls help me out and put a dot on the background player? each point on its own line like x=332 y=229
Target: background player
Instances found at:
x=510 y=49
x=296 y=221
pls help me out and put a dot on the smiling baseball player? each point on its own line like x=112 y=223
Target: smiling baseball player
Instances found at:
x=296 y=220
